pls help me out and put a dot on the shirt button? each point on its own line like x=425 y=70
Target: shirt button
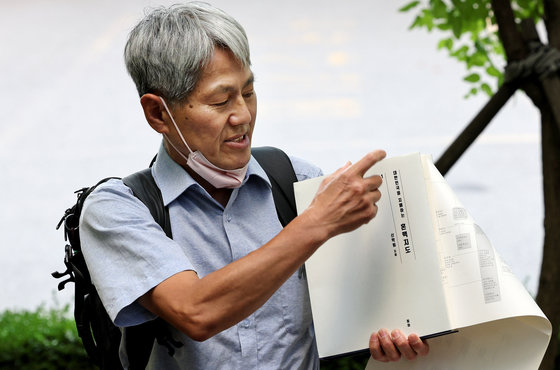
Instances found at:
x=246 y=323
x=228 y=218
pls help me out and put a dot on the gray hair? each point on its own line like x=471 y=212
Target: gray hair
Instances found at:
x=168 y=49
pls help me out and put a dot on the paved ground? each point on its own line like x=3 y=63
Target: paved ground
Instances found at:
x=334 y=79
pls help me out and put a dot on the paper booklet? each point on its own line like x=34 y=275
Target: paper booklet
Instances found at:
x=424 y=266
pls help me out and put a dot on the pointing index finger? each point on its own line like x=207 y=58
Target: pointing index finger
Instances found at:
x=367 y=162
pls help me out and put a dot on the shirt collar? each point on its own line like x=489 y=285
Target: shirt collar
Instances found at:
x=173 y=180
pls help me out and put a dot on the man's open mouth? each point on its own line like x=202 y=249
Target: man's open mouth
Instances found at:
x=237 y=139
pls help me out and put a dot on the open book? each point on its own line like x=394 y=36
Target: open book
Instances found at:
x=421 y=265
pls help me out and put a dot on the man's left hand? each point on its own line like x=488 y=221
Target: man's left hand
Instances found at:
x=385 y=346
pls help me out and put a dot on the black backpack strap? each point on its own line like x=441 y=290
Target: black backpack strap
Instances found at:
x=144 y=187
x=140 y=339
x=282 y=176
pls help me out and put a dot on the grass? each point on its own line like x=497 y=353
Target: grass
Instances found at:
x=41 y=339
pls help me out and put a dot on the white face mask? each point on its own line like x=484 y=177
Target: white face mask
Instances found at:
x=218 y=177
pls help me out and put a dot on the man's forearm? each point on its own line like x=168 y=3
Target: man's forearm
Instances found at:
x=204 y=307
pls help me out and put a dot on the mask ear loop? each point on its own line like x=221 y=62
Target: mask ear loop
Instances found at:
x=174 y=147
x=178 y=131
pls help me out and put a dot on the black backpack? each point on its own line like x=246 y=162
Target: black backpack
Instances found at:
x=100 y=337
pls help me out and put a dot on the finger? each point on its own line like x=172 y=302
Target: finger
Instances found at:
x=401 y=341
x=373 y=182
x=376 y=194
x=371 y=201
x=420 y=347
x=367 y=162
x=375 y=348
x=388 y=346
x=371 y=189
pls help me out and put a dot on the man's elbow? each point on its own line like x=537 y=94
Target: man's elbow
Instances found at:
x=199 y=334
x=198 y=327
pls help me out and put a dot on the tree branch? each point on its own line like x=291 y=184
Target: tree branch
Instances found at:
x=551 y=17
x=475 y=127
x=507 y=28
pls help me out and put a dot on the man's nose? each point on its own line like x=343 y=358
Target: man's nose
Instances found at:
x=241 y=113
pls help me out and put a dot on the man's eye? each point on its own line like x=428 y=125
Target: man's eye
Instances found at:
x=221 y=104
x=248 y=94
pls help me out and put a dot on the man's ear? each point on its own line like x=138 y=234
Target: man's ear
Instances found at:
x=154 y=112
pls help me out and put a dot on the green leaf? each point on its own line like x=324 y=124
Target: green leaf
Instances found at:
x=486 y=88
x=409 y=6
x=472 y=92
x=477 y=59
x=480 y=9
x=493 y=71
x=417 y=23
x=457 y=26
x=473 y=77
x=461 y=53
x=428 y=19
x=444 y=26
x=500 y=80
x=439 y=9
x=445 y=43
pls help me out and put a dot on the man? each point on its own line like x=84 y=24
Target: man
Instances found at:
x=228 y=282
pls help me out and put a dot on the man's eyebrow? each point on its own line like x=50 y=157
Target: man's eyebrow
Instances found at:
x=250 y=80
x=228 y=88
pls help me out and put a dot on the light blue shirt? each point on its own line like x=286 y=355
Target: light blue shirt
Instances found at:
x=128 y=254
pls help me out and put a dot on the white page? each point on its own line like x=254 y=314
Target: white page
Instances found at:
x=500 y=325
x=479 y=286
x=384 y=274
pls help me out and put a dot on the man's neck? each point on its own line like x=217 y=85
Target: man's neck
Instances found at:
x=220 y=195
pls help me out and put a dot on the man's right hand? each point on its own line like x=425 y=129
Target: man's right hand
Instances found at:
x=345 y=199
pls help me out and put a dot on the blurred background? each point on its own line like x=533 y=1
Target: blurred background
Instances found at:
x=334 y=80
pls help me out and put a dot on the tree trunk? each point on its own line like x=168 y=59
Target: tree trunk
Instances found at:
x=548 y=101
x=548 y=296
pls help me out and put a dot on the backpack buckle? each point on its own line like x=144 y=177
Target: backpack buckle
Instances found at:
x=57 y=275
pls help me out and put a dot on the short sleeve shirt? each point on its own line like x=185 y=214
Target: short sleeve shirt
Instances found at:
x=128 y=253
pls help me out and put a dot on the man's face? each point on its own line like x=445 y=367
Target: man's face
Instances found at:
x=219 y=115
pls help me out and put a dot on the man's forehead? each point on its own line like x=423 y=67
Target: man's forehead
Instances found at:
x=226 y=83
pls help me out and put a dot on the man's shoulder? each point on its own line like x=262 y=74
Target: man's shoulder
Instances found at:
x=112 y=195
x=304 y=169
x=112 y=188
